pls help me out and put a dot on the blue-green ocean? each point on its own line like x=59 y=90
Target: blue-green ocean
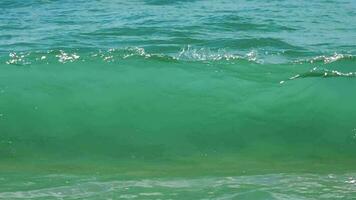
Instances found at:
x=178 y=99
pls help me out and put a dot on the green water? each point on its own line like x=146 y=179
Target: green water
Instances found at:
x=177 y=100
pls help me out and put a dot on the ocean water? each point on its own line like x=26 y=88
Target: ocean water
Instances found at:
x=159 y=99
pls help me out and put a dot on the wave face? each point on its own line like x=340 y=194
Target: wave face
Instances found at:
x=235 y=95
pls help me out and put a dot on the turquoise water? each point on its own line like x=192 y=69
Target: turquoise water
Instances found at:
x=177 y=99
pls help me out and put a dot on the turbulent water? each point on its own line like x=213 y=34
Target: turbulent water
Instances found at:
x=158 y=99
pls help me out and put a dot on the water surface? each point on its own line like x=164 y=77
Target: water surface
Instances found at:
x=177 y=99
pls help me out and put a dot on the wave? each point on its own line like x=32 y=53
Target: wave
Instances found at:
x=66 y=56
x=129 y=104
x=327 y=59
x=324 y=73
x=187 y=53
x=324 y=66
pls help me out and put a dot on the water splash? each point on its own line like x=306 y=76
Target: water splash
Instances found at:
x=18 y=59
x=204 y=54
x=64 y=57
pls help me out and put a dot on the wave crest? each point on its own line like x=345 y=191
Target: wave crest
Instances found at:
x=321 y=72
x=204 y=54
x=186 y=54
x=327 y=59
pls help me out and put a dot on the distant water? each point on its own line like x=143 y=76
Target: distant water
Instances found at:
x=161 y=99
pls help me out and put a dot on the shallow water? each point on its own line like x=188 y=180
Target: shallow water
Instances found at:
x=177 y=99
x=269 y=186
